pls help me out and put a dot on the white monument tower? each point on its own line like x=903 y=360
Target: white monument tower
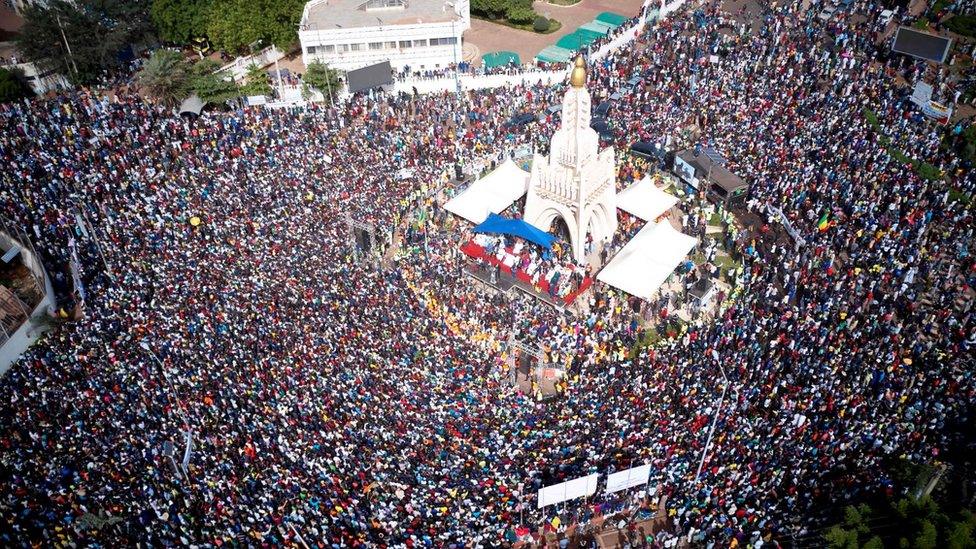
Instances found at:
x=577 y=181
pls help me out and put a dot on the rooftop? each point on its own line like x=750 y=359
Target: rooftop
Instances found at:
x=720 y=175
x=343 y=14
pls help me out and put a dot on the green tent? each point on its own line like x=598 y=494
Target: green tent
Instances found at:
x=614 y=19
x=500 y=59
x=555 y=54
x=577 y=40
x=590 y=34
x=598 y=26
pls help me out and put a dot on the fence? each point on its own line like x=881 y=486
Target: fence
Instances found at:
x=238 y=67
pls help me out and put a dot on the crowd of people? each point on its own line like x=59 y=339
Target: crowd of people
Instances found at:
x=343 y=403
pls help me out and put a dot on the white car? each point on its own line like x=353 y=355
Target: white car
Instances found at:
x=886 y=17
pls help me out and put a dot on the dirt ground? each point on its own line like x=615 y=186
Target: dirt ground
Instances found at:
x=489 y=37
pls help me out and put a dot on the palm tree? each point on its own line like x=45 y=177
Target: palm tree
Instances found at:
x=165 y=77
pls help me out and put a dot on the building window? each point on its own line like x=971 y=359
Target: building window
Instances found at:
x=391 y=45
x=327 y=49
x=419 y=43
x=376 y=45
x=356 y=47
x=342 y=48
x=404 y=43
x=450 y=41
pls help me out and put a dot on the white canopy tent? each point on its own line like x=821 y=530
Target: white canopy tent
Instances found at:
x=644 y=200
x=647 y=260
x=491 y=194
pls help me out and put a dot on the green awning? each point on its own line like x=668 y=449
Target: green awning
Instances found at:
x=500 y=59
x=576 y=40
x=555 y=54
x=589 y=34
x=614 y=19
x=598 y=26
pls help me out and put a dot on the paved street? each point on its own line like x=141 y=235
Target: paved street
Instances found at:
x=489 y=37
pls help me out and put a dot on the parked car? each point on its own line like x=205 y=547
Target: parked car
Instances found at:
x=520 y=120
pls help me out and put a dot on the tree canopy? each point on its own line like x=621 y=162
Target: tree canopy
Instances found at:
x=920 y=524
x=180 y=21
x=165 y=77
x=322 y=78
x=95 y=32
x=256 y=82
x=13 y=86
x=242 y=22
x=211 y=87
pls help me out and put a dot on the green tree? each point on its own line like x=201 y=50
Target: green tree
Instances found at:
x=904 y=523
x=179 y=21
x=256 y=82
x=235 y=24
x=210 y=86
x=520 y=15
x=322 y=78
x=540 y=24
x=165 y=77
x=494 y=9
x=93 y=31
x=962 y=24
x=13 y=85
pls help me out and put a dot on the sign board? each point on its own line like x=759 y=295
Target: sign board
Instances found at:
x=629 y=478
x=922 y=93
x=255 y=100
x=787 y=224
x=370 y=77
x=565 y=491
x=189 y=449
x=522 y=151
x=937 y=111
x=684 y=170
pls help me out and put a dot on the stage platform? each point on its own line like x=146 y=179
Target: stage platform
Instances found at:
x=506 y=279
x=505 y=282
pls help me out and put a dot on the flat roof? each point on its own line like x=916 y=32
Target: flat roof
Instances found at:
x=344 y=14
x=720 y=175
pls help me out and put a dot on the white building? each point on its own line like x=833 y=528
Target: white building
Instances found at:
x=40 y=80
x=349 y=34
x=577 y=181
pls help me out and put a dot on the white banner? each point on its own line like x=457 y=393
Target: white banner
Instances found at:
x=922 y=93
x=622 y=480
x=565 y=491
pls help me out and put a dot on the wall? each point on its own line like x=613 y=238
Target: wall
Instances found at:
x=429 y=57
x=28 y=332
x=470 y=82
x=238 y=67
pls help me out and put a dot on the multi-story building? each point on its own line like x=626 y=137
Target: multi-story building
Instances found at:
x=349 y=34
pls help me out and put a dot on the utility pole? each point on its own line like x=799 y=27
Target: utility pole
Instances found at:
x=98 y=245
x=328 y=83
x=281 y=89
x=67 y=46
x=711 y=430
x=162 y=367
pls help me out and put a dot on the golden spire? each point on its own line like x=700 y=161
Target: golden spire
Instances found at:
x=578 y=78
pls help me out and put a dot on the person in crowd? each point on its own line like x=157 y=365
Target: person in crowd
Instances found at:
x=338 y=402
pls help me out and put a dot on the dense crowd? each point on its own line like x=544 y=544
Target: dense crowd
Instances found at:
x=355 y=404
